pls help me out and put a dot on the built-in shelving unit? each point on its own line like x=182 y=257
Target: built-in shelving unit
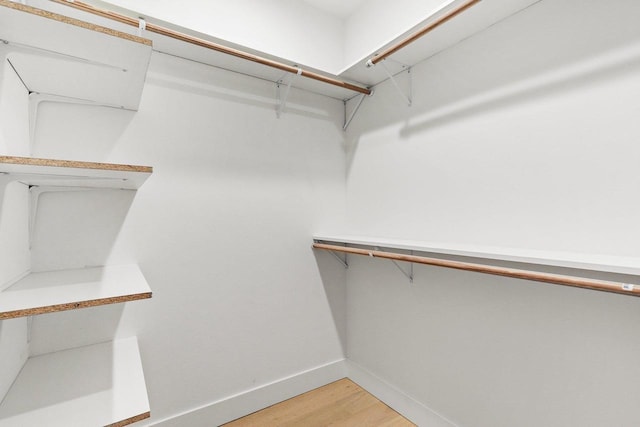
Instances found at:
x=70 y=173
x=48 y=292
x=84 y=61
x=98 y=385
x=59 y=58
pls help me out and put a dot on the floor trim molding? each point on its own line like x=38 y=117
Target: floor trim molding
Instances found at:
x=399 y=401
x=241 y=404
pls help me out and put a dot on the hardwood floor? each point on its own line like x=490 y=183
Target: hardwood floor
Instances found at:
x=342 y=403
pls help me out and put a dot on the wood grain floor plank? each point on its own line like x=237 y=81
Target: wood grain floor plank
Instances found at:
x=339 y=404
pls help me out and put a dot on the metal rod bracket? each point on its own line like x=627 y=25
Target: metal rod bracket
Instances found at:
x=409 y=275
x=405 y=97
x=354 y=111
x=282 y=98
x=344 y=261
x=142 y=25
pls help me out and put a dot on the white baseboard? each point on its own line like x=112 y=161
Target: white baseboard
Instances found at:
x=405 y=405
x=233 y=407
x=239 y=405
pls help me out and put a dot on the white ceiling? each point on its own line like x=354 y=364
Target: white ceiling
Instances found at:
x=339 y=8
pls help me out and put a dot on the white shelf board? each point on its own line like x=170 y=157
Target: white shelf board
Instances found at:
x=476 y=19
x=203 y=55
x=605 y=263
x=52 y=291
x=96 y=385
x=33 y=171
x=83 y=61
x=472 y=21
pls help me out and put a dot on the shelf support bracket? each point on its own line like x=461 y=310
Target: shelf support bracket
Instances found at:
x=29 y=328
x=347 y=120
x=344 y=261
x=282 y=98
x=409 y=275
x=407 y=98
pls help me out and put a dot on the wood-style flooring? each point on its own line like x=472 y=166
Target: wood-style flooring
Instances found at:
x=342 y=403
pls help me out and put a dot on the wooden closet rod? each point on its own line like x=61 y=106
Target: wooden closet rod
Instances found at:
x=211 y=45
x=557 y=279
x=413 y=37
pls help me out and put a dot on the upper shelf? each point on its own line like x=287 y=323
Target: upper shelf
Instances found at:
x=53 y=291
x=605 y=263
x=84 y=61
x=476 y=19
x=472 y=21
x=72 y=173
x=97 y=385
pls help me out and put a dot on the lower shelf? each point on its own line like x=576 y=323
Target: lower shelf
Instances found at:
x=53 y=291
x=98 y=385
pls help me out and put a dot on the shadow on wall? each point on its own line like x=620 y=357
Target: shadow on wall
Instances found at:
x=78 y=132
x=333 y=276
x=504 y=347
x=546 y=48
x=75 y=328
x=568 y=79
x=77 y=228
x=210 y=81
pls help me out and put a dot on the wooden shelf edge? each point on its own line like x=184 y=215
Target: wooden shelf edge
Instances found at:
x=33 y=161
x=75 y=22
x=131 y=420
x=73 y=305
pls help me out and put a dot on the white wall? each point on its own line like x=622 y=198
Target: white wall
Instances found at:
x=288 y=29
x=525 y=135
x=221 y=231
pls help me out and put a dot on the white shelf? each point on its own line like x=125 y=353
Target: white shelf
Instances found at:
x=605 y=263
x=83 y=61
x=97 y=385
x=472 y=21
x=33 y=171
x=48 y=292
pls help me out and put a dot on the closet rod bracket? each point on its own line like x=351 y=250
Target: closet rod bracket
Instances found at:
x=282 y=98
x=408 y=275
x=344 y=262
x=347 y=120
